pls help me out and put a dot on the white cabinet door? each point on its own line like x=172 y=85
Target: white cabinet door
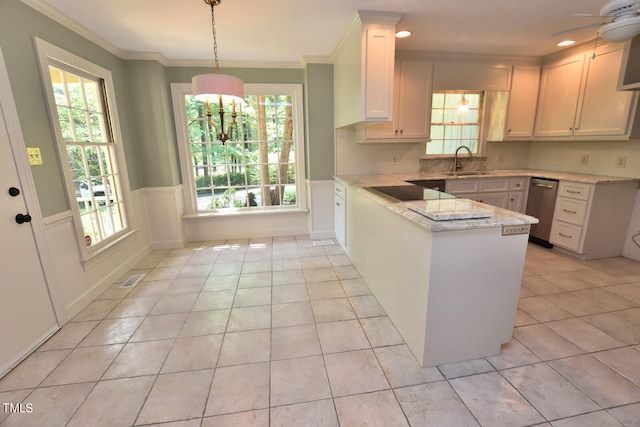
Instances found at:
x=523 y=100
x=604 y=110
x=340 y=214
x=412 y=105
x=516 y=201
x=414 y=102
x=378 y=69
x=499 y=200
x=559 y=92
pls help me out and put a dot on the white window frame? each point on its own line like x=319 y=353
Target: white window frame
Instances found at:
x=480 y=123
x=49 y=54
x=180 y=90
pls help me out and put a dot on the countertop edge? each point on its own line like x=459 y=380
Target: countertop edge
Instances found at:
x=399 y=179
x=500 y=217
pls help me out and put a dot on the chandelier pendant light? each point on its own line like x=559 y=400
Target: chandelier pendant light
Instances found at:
x=218 y=87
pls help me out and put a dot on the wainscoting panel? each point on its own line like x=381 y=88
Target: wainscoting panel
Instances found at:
x=79 y=284
x=321 y=202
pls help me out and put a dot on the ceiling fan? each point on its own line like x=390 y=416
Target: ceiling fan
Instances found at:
x=620 y=21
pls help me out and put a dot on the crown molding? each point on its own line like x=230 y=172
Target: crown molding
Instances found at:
x=72 y=25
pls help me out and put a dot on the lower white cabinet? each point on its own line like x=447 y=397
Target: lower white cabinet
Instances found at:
x=505 y=193
x=340 y=213
x=591 y=220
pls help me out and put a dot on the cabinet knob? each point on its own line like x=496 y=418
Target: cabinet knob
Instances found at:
x=508 y=130
x=401 y=131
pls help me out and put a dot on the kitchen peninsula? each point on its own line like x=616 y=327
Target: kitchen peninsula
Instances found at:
x=450 y=287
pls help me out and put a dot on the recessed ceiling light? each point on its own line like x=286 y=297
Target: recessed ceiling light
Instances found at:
x=565 y=43
x=403 y=34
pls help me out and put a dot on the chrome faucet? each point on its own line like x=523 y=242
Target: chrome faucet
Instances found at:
x=456 y=166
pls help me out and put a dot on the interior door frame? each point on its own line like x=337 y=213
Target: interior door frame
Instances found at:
x=18 y=147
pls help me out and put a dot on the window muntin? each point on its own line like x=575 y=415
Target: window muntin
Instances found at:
x=263 y=155
x=89 y=148
x=451 y=129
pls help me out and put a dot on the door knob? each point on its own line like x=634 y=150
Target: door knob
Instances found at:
x=13 y=191
x=21 y=219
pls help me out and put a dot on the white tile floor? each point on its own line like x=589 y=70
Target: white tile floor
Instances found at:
x=284 y=333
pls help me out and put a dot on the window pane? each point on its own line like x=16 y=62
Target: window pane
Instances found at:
x=90 y=154
x=451 y=128
x=247 y=170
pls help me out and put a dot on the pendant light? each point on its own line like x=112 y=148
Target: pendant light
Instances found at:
x=218 y=87
x=463 y=105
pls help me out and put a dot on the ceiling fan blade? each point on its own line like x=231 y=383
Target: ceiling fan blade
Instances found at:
x=584 y=27
x=586 y=15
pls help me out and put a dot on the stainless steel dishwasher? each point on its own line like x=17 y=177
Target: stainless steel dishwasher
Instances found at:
x=540 y=204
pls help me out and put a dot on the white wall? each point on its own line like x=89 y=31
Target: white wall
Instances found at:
x=565 y=156
x=362 y=159
x=80 y=284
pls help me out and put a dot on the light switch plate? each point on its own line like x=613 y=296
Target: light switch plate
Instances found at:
x=34 y=156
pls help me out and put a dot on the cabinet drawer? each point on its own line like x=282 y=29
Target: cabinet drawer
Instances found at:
x=517 y=184
x=566 y=235
x=574 y=190
x=339 y=190
x=461 y=186
x=569 y=210
x=493 y=185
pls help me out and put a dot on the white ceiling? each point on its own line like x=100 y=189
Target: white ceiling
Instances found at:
x=285 y=31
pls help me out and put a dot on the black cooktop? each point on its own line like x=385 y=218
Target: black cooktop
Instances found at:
x=411 y=192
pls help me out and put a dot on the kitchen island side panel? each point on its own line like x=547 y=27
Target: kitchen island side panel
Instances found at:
x=476 y=276
x=452 y=295
x=392 y=255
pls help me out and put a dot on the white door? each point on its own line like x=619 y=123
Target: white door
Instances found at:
x=26 y=311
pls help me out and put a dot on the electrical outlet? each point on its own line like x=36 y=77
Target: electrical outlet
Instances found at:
x=584 y=160
x=500 y=158
x=621 y=161
x=396 y=160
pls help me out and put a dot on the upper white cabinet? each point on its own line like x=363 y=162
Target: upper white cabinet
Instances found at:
x=559 y=91
x=470 y=76
x=364 y=70
x=579 y=97
x=412 y=106
x=523 y=99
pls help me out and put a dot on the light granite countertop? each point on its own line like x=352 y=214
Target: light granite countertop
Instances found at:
x=499 y=217
x=400 y=179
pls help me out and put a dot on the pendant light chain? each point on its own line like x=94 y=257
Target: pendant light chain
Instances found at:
x=213 y=30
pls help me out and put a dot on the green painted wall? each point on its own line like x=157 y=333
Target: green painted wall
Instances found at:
x=320 y=129
x=155 y=142
x=143 y=97
x=19 y=24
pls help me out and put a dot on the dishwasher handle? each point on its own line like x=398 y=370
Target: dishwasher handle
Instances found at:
x=550 y=187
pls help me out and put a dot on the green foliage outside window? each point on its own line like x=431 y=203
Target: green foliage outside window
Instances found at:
x=258 y=160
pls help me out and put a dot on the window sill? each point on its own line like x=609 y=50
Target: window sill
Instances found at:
x=241 y=212
x=94 y=257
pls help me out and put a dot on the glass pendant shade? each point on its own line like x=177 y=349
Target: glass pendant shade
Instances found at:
x=207 y=87
x=463 y=105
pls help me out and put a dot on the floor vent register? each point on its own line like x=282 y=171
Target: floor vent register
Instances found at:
x=132 y=281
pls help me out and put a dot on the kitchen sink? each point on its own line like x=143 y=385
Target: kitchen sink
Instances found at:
x=467 y=173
